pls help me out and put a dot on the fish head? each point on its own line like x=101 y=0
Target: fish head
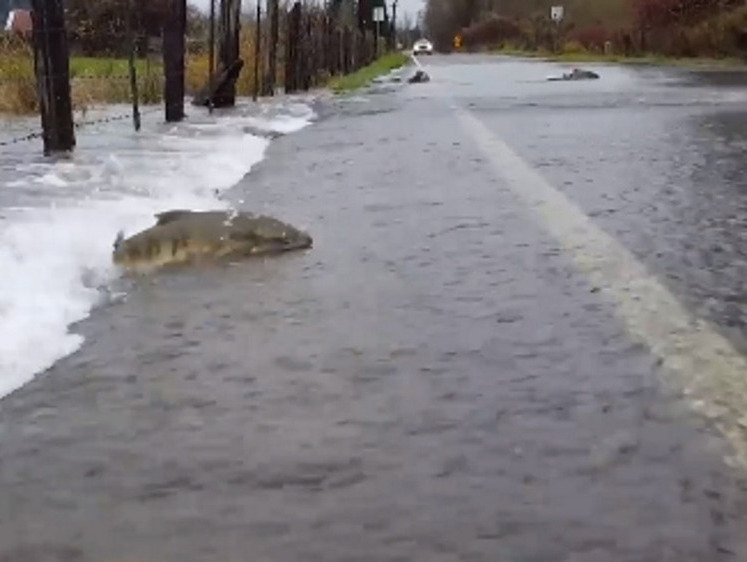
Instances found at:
x=298 y=239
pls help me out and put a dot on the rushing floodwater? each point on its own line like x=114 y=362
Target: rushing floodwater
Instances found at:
x=58 y=219
x=435 y=380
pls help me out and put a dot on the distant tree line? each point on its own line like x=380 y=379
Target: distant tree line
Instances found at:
x=673 y=27
x=99 y=27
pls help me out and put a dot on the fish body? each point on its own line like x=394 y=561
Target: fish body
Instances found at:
x=182 y=236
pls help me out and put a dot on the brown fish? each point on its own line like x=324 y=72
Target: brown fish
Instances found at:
x=181 y=236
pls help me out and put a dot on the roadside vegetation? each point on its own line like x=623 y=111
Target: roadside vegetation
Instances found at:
x=364 y=76
x=101 y=75
x=100 y=46
x=17 y=82
x=644 y=31
x=92 y=81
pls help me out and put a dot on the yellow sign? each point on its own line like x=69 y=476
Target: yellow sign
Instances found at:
x=457 y=41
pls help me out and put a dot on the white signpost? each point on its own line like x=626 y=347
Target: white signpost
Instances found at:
x=556 y=15
x=378 y=17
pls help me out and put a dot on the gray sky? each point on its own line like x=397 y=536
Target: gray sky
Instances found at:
x=403 y=6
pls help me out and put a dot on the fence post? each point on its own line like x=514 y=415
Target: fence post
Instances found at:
x=292 y=49
x=326 y=47
x=133 y=73
x=308 y=53
x=334 y=50
x=347 y=50
x=289 y=40
x=288 y=71
x=322 y=50
x=363 y=46
x=360 y=50
x=376 y=33
x=341 y=50
x=257 y=50
x=52 y=67
x=393 y=30
x=174 y=29
x=211 y=56
x=269 y=83
x=228 y=48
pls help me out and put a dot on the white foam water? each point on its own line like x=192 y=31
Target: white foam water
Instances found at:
x=58 y=220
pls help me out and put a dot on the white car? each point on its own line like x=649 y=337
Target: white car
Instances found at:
x=422 y=47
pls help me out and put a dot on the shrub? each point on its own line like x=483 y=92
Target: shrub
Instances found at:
x=492 y=31
x=591 y=38
x=573 y=48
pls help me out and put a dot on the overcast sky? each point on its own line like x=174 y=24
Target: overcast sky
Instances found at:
x=403 y=6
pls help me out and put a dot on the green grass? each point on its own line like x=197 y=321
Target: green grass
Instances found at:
x=648 y=59
x=92 y=80
x=363 y=76
x=105 y=67
x=106 y=80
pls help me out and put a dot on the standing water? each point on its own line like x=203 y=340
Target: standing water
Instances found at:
x=59 y=217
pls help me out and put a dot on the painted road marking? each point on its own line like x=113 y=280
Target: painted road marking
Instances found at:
x=697 y=360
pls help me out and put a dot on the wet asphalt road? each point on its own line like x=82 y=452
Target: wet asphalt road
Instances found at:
x=435 y=380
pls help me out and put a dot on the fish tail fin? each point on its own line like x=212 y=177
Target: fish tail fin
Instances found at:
x=119 y=239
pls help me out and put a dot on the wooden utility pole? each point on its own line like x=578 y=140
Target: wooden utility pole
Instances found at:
x=174 y=30
x=52 y=67
x=228 y=48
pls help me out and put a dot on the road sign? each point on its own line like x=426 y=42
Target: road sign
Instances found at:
x=378 y=13
x=556 y=13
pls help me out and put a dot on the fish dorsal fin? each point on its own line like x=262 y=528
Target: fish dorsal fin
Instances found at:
x=170 y=216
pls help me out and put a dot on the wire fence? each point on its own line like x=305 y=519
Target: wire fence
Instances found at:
x=38 y=133
x=104 y=85
x=283 y=49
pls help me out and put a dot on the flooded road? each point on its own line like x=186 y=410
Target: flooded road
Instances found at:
x=440 y=378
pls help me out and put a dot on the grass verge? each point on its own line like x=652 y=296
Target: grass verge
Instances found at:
x=363 y=76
